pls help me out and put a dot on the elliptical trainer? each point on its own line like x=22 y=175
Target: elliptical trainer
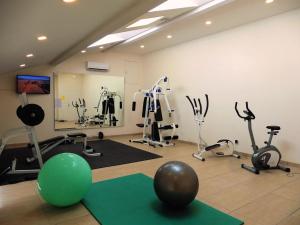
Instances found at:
x=267 y=157
x=81 y=110
x=223 y=147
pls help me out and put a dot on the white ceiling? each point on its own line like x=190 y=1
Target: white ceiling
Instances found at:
x=186 y=28
x=69 y=27
x=72 y=27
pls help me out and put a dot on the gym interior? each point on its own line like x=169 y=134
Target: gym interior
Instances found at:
x=149 y=112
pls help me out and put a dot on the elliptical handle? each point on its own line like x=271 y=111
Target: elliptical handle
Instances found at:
x=195 y=103
x=200 y=106
x=133 y=105
x=75 y=105
x=191 y=104
x=207 y=105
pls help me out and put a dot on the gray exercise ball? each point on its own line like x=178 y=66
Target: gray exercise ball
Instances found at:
x=176 y=184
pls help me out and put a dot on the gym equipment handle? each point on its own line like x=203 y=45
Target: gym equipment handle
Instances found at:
x=200 y=106
x=191 y=104
x=207 y=105
x=248 y=112
x=133 y=106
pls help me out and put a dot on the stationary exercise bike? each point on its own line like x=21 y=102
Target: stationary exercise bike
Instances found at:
x=223 y=147
x=267 y=157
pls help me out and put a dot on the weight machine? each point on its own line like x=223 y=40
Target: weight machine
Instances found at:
x=156 y=132
x=226 y=145
x=106 y=107
x=32 y=115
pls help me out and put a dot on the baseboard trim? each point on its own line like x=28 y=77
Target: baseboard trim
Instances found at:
x=248 y=155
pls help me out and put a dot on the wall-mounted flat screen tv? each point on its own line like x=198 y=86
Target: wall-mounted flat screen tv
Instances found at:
x=33 y=84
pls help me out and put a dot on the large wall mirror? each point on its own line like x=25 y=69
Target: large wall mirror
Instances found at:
x=88 y=101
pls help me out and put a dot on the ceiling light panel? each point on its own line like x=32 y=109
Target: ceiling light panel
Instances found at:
x=177 y=4
x=144 y=22
x=142 y=34
x=117 y=37
x=208 y=5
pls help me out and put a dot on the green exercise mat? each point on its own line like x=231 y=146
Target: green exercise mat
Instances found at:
x=131 y=200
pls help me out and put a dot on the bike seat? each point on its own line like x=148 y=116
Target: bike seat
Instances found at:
x=273 y=127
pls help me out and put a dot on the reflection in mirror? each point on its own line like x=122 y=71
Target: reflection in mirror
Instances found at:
x=88 y=101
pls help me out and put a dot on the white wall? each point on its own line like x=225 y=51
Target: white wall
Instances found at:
x=258 y=62
x=125 y=65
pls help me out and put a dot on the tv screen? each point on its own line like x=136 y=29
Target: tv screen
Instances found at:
x=33 y=84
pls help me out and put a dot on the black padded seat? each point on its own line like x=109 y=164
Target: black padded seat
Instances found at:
x=141 y=125
x=273 y=127
x=74 y=135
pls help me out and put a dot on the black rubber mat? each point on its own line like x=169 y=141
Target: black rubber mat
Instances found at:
x=114 y=153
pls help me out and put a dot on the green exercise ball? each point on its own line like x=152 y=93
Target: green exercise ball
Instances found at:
x=64 y=179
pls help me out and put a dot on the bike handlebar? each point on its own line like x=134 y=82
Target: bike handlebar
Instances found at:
x=249 y=114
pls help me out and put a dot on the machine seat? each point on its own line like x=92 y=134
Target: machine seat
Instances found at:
x=273 y=127
x=141 y=125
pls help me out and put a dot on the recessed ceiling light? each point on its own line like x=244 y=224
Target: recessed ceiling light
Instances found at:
x=269 y=1
x=22 y=65
x=69 y=1
x=101 y=47
x=169 y=36
x=174 y=4
x=142 y=46
x=144 y=22
x=83 y=51
x=29 y=55
x=42 y=38
x=208 y=22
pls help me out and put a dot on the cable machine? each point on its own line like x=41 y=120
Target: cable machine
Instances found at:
x=156 y=130
x=106 y=111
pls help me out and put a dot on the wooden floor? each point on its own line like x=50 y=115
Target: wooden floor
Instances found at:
x=266 y=199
